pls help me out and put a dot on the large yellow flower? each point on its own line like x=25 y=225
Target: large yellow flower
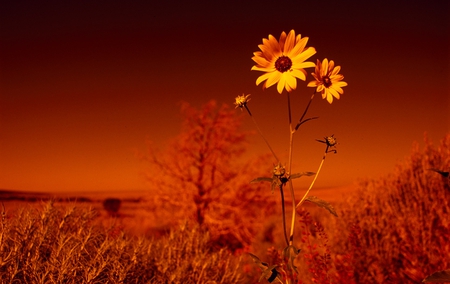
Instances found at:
x=283 y=61
x=328 y=80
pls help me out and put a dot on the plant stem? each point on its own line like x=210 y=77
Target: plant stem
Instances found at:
x=300 y=121
x=314 y=180
x=284 y=215
x=261 y=134
x=291 y=187
x=291 y=145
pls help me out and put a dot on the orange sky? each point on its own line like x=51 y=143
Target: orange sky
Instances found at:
x=83 y=85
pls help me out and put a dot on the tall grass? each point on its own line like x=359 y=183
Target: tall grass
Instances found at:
x=67 y=245
x=403 y=219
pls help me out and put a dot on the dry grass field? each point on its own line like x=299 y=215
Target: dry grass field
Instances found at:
x=30 y=217
x=135 y=214
x=391 y=230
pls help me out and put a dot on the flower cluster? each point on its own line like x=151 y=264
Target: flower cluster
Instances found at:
x=284 y=61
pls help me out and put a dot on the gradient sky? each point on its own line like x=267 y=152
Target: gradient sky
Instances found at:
x=83 y=84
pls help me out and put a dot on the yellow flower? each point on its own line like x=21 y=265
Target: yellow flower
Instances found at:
x=283 y=61
x=328 y=81
x=241 y=101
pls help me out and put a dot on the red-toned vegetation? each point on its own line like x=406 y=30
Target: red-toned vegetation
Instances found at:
x=201 y=176
x=403 y=221
x=395 y=229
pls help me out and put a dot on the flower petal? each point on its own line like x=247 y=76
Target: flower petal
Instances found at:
x=261 y=61
x=299 y=47
x=290 y=42
x=331 y=67
x=334 y=93
x=291 y=81
x=310 y=51
x=299 y=73
x=329 y=98
x=272 y=79
x=336 y=78
x=281 y=42
x=324 y=71
x=264 y=69
x=268 y=52
x=281 y=84
x=307 y=64
x=340 y=84
x=335 y=71
x=262 y=78
x=337 y=88
x=312 y=84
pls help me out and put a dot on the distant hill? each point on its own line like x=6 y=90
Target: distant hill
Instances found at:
x=30 y=196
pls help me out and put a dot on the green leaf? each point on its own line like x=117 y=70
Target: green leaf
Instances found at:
x=322 y=203
x=297 y=175
x=439 y=276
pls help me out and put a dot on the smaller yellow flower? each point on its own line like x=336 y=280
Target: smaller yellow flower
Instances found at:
x=328 y=80
x=241 y=101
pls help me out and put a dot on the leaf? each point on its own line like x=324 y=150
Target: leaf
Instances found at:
x=275 y=181
x=291 y=252
x=269 y=273
x=262 y=179
x=297 y=175
x=322 y=203
x=439 y=276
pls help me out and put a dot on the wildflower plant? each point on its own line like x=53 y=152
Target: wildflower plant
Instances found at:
x=284 y=61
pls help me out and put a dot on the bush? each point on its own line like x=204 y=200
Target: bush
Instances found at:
x=112 y=206
x=404 y=220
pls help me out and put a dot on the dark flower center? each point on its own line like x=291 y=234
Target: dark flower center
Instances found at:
x=283 y=64
x=326 y=81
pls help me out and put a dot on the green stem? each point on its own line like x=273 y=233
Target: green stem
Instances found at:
x=261 y=134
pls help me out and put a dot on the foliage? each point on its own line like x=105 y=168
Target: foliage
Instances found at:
x=56 y=245
x=404 y=219
x=200 y=176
